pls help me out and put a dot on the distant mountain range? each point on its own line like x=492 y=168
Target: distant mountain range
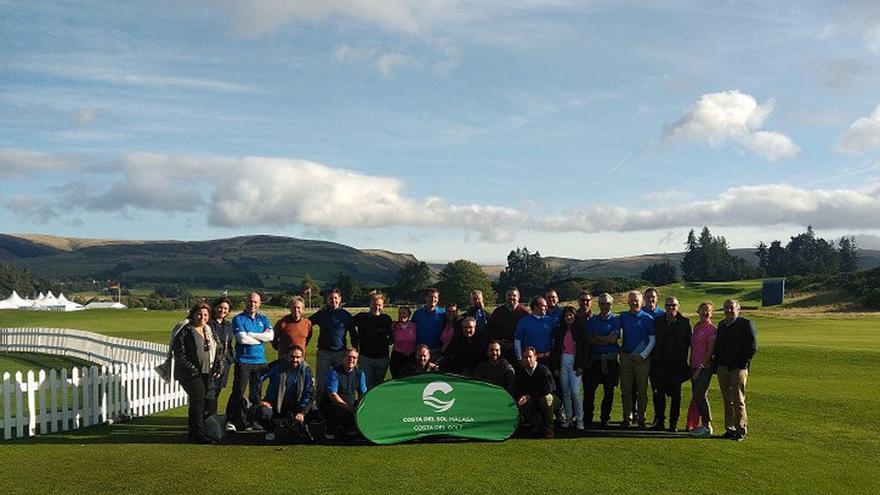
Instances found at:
x=260 y=261
x=269 y=262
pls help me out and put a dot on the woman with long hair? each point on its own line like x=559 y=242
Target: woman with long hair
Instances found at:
x=222 y=329
x=567 y=343
x=199 y=363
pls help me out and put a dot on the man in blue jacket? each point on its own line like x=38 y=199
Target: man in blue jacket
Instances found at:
x=288 y=396
x=333 y=322
x=430 y=320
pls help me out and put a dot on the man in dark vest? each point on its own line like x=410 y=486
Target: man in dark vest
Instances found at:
x=344 y=387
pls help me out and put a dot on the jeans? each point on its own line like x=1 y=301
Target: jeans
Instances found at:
x=634 y=377
x=374 y=369
x=570 y=383
x=604 y=371
x=326 y=360
x=202 y=403
x=700 y=394
x=247 y=376
x=733 y=390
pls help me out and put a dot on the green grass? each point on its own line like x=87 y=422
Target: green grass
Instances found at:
x=24 y=362
x=812 y=403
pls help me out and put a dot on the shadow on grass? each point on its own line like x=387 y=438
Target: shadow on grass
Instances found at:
x=173 y=430
x=147 y=430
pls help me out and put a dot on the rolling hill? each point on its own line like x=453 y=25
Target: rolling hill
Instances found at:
x=260 y=261
x=269 y=262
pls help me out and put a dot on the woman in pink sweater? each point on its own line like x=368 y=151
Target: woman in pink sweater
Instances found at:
x=403 y=335
x=702 y=344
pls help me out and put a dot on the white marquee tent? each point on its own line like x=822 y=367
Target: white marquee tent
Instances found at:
x=44 y=302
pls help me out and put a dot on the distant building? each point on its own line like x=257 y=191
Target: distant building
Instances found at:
x=105 y=305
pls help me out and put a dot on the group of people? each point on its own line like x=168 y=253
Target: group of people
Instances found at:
x=543 y=355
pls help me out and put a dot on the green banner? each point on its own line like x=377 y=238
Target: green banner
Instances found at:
x=434 y=404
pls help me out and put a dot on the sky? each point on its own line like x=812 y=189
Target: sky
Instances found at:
x=443 y=128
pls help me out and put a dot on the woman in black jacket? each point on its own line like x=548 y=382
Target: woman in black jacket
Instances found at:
x=223 y=332
x=198 y=364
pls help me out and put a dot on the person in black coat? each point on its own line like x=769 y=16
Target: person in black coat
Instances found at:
x=669 y=363
x=223 y=331
x=466 y=350
x=198 y=365
x=534 y=393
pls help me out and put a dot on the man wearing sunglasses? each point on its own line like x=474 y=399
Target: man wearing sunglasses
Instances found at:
x=669 y=363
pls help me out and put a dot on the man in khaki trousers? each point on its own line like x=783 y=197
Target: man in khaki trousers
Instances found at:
x=735 y=346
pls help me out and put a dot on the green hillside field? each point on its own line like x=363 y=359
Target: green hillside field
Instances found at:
x=812 y=399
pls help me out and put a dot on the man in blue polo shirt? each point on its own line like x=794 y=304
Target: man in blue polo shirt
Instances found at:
x=333 y=322
x=602 y=366
x=251 y=330
x=651 y=303
x=535 y=330
x=430 y=320
x=637 y=343
x=554 y=310
x=477 y=311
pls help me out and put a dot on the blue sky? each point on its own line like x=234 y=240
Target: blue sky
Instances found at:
x=448 y=129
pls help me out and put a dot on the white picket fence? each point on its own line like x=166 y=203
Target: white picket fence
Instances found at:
x=93 y=347
x=36 y=403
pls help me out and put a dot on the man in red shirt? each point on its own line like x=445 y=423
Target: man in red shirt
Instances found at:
x=292 y=329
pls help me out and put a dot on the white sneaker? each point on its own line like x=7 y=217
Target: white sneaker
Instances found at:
x=270 y=436
x=230 y=427
x=580 y=424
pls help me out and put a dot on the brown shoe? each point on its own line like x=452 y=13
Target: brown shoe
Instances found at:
x=549 y=433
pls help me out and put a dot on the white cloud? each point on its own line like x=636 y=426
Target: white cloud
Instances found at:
x=387 y=63
x=258 y=17
x=85 y=116
x=18 y=163
x=736 y=117
x=764 y=205
x=119 y=71
x=353 y=53
x=859 y=17
x=863 y=135
x=31 y=208
x=256 y=191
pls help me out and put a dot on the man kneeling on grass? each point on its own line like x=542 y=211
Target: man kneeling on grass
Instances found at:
x=288 y=396
x=346 y=384
x=534 y=389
